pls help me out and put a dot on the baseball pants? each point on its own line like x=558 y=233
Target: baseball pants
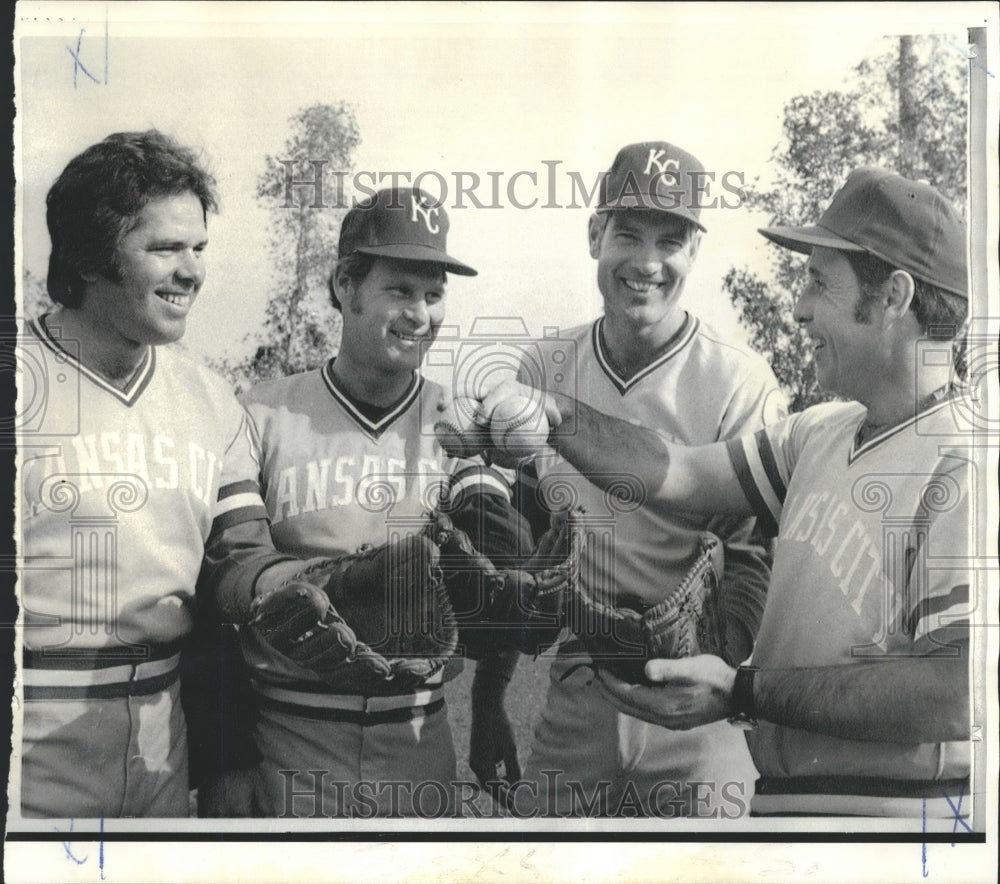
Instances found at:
x=104 y=742
x=348 y=756
x=589 y=759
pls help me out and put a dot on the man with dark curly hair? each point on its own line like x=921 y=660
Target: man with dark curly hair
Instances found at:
x=136 y=455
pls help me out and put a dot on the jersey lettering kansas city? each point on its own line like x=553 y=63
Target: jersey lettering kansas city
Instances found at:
x=333 y=478
x=118 y=492
x=872 y=562
x=158 y=461
x=349 y=480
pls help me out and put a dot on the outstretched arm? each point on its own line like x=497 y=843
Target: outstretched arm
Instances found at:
x=899 y=700
x=697 y=479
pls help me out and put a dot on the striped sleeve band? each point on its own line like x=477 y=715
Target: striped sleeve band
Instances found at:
x=946 y=611
x=759 y=477
x=477 y=480
x=237 y=502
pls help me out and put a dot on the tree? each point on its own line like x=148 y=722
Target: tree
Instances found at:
x=905 y=110
x=301 y=329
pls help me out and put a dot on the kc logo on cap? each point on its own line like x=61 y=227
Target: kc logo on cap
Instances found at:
x=664 y=165
x=403 y=223
x=428 y=214
x=655 y=175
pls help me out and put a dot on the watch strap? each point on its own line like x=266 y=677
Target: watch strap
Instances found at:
x=744 y=707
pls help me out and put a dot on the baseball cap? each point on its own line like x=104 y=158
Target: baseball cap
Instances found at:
x=400 y=222
x=654 y=175
x=906 y=223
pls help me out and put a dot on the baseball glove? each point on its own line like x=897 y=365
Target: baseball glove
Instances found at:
x=622 y=635
x=498 y=610
x=299 y=622
x=401 y=625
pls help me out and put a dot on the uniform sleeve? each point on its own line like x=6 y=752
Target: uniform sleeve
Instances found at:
x=529 y=502
x=763 y=462
x=239 y=546
x=480 y=503
x=939 y=610
x=757 y=402
x=239 y=497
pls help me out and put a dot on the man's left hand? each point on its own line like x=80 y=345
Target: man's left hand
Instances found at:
x=687 y=693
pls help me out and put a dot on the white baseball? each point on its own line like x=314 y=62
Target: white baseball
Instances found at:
x=457 y=430
x=519 y=426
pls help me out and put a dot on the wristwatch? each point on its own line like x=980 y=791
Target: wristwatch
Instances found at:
x=744 y=709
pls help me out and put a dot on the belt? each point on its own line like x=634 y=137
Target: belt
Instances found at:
x=98 y=674
x=864 y=796
x=352 y=708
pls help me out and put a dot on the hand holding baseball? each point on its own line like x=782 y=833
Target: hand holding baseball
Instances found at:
x=511 y=418
x=521 y=419
x=490 y=399
x=460 y=428
x=519 y=426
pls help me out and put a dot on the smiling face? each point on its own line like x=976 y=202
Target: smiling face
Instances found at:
x=643 y=259
x=160 y=271
x=847 y=344
x=392 y=316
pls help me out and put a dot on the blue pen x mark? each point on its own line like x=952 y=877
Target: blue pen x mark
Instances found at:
x=77 y=64
x=956 y=809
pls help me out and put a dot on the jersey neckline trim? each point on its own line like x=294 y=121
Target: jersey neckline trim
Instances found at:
x=140 y=380
x=677 y=343
x=858 y=451
x=373 y=427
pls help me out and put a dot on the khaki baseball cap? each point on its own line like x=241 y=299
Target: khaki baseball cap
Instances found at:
x=906 y=223
x=400 y=222
x=655 y=175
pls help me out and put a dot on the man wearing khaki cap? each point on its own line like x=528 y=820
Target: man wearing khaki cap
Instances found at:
x=649 y=361
x=858 y=697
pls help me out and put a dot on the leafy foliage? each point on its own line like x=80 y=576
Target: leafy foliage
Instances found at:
x=301 y=329
x=919 y=130
x=35 y=298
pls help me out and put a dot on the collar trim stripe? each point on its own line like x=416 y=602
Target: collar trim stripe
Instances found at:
x=680 y=340
x=137 y=385
x=373 y=428
x=858 y=450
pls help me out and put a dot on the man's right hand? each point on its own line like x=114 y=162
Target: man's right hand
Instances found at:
x=507 y=389
x=684 y=693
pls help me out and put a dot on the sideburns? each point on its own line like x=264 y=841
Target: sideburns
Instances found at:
x=354 y=304
x=865 y=306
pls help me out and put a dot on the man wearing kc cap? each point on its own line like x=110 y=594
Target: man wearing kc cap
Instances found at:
x=858 y=697
x=349 y=459
x=649 y=361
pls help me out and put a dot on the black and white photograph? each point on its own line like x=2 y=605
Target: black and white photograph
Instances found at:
x=512 y=442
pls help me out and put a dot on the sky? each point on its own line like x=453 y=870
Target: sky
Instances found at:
x=538 y=89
